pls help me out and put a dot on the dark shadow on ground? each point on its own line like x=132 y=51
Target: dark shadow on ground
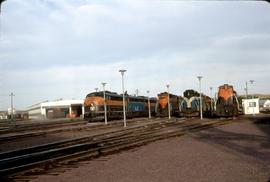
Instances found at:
x=261 y=119
x=262 y=122
x=256 y=146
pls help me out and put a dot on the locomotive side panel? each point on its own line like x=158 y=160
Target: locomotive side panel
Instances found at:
x=135 y=106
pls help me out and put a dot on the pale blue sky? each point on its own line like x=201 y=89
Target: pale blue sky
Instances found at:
x=64 y=49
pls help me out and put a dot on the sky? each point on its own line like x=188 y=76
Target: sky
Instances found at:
x=64 y=49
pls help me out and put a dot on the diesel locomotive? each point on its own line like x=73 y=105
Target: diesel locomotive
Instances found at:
x=227 y=104
x=162 y=104
x=135 y=106
x=190 y=104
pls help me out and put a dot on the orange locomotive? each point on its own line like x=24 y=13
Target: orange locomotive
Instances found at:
x=135 y=106
x=162 y=105
x=227 y=103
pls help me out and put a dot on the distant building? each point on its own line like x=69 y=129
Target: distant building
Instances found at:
x=19 y=115
x=57 y=109
x=250 y=106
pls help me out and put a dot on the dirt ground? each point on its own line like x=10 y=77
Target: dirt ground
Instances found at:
x=234 y=152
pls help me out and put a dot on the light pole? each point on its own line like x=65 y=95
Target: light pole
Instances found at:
x=105 y=106
x=149 y=106
x=169 y=109
x=251 y=82
x=246 y=89
x=11 y=105
x=96 y=89
x=123 y=90
x=137 y=92
x=199 y=78
x=211 y=88
x=1 y=1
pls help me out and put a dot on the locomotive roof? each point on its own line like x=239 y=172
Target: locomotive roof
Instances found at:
x=101 y=93
x=114 y=94
x=166 y=93
x=225 y=85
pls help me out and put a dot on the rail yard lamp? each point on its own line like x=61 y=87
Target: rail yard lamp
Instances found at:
x=96 y=89
x=246 y=89
x=1 y=1
x=211 y=88
x=169 y=109
x=105 y=105
x=149 y=106
x=199 y=78
x=251 y=82
x=11 y=105
x=123 y=91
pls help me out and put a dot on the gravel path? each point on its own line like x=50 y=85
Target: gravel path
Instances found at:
x=235 y=152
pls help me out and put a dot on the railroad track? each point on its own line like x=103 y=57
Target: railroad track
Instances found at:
x=78 y=126
x=59 y=153
x=17 y=127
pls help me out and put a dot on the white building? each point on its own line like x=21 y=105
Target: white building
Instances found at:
x=250 y=106
x=57 y=109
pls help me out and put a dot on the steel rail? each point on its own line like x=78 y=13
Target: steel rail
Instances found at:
x=114 y=142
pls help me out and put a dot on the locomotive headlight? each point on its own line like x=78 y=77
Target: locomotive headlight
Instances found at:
x=92 y=107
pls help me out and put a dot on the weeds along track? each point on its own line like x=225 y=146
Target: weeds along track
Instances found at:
x=52 y=128
x=40 y=157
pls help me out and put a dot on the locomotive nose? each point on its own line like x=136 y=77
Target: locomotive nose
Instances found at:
x=93 y=107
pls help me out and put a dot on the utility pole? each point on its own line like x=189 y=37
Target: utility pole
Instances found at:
x=137 y=92
x=251 y=82
x=199 y=78
x=149 y=106
x=11 y=103
x=123 y=91
x=1 y=4
x=105 y=106
x=211 y=88
x=246 y=89
x=96 y=89
x=169 y=109
x=1 y=1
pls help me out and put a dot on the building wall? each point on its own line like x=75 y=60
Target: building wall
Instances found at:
x=54 y=109
x=35 y=112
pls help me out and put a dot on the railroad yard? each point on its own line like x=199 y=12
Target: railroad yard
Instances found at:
x=158 y=149
x=137 y=91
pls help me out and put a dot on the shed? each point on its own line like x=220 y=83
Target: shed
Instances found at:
x=250 y=106
x=57 y=109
